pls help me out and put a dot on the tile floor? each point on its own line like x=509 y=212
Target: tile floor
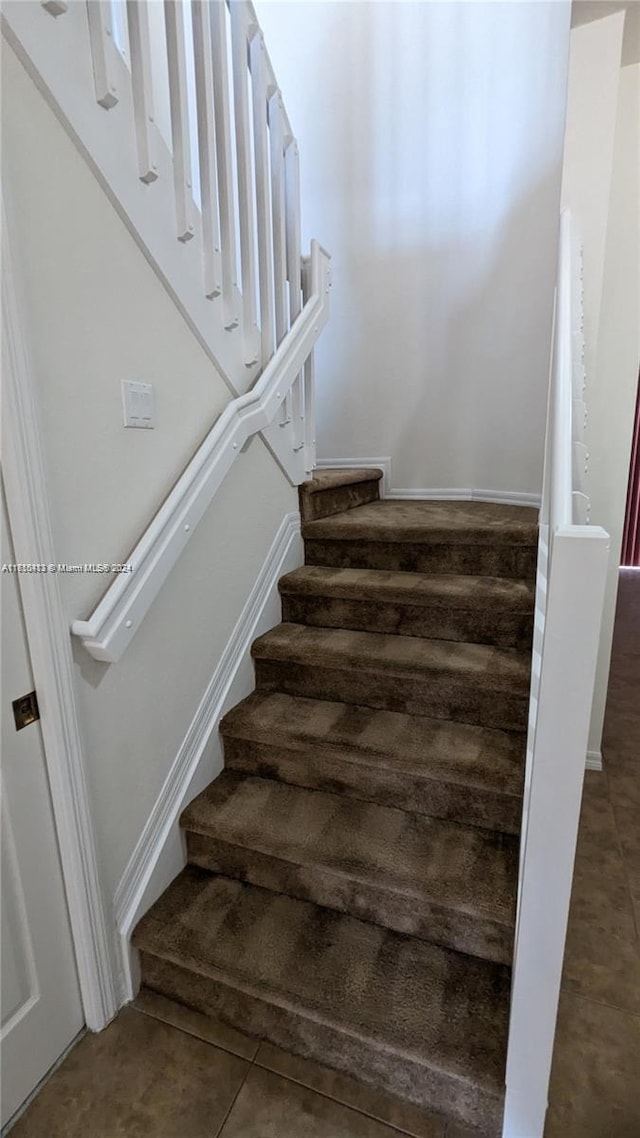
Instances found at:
x=595 y=1081
x=159 y=1071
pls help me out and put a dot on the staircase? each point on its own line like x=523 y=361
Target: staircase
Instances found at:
x=351 y=883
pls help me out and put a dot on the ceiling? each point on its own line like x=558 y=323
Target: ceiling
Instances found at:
x=583 y=11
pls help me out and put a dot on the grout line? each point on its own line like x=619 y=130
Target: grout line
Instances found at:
x=625 y=870
x=337 y=1101
x=190 y=1032
x=218 y=1133
x=599 y=1003
x=623 y=856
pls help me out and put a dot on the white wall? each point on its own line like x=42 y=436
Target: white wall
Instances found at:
x=612 y=392
x=431 y=148
x=95 y=313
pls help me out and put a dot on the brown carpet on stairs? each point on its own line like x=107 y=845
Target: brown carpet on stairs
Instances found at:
x=333 y=491
x=445 y=883
x=437 y=767
x=487 y=610
x=472 y=683
x=428 y=537
x=411 y=1017
x=350 y=893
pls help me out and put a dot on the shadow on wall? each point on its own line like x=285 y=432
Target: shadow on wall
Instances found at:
x=431 y=156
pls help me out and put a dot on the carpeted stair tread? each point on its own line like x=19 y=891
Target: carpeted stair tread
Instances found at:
x=332 y=492
x=436 y=767
x=425 y=877
x=439 y=590
x=419 y=1021
x=459 y=607
x=506 y=668
x=473 y=683
x=466 y=523
x=328 y=479
x=475 y=757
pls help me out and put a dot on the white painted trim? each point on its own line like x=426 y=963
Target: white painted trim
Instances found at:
x=594 y=761
x=570 y=581
x=158 y=855
x=58 y=55
x=501 y=497
x=50 y=651
x=117 y=617
x=446 y=494
x=383 y=464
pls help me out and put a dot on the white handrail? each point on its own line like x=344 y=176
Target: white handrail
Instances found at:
x=117 y=617
x=186 y=141
x=221 y=86
x=572 y=566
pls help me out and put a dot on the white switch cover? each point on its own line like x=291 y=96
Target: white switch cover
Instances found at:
x=137 y=402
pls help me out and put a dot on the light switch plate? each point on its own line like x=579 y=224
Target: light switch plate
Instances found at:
x=137 y=403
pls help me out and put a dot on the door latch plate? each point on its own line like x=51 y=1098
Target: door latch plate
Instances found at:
x=25 y=710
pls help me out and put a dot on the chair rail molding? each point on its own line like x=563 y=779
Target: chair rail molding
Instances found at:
x=159 y=852
x=50 y=651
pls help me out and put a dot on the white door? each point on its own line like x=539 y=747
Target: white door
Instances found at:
x=40 y=997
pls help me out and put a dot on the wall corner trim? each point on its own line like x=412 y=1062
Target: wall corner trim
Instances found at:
x=50 y=650
x=131 y=892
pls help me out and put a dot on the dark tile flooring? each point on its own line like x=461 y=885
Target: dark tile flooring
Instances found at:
x=595 y=1081
x=159 y=1071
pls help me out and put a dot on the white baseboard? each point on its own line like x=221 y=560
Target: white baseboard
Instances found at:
x=451 y=494
x=446 y=494
x=594 y=761
x=159 y=854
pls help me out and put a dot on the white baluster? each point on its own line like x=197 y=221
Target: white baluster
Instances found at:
x=103 y=51
x=239 y=49
x=217 y=11
x=309 y=384
x=206 y=148
x=292 y=228
x=182 y=177
x=261 y=149
x=276 y=133
x=140 y=48
x=278 y=213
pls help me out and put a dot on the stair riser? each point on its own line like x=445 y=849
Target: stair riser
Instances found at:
x=399 y=912
x=336 y=774
x=438 y=696
x=325 y=503
x=411 y=557
x=503 y=630
x=399 y=1075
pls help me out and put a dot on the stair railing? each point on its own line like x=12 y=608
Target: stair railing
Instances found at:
x=178 y=111
x=572 y=566
x=119 y=614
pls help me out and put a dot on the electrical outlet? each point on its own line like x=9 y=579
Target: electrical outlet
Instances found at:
x=137 y=404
